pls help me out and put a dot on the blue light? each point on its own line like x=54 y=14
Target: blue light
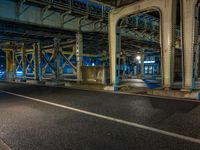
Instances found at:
x=148 y=62
x=93 y=64
x=19 y=73
x=2 y=72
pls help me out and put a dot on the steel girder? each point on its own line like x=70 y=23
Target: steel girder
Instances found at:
x=190 y=25
x=31 y=36
x=167 y=8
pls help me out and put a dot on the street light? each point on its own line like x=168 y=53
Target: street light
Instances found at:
x=138 y=58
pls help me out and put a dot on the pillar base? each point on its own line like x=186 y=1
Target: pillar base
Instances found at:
x=166 y=88
x=79 y=82
x=175 y=94
x=111 y=88
x=55 y=84
x=9 y=76
x=186 y=89
x=35 y=82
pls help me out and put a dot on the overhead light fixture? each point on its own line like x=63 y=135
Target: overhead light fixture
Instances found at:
x=138 y=58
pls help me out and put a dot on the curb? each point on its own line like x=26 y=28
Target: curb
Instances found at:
x=114 y=92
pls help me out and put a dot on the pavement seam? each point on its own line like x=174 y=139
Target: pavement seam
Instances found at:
x=108 y=118
x=4 y=146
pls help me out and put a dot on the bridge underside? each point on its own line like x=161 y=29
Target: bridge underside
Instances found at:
x=86 y=41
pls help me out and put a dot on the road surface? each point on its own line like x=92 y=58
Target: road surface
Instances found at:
x=48 y=118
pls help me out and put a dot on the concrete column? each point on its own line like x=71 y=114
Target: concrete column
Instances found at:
x=190 y=42
x=57 y=58
x=79 y=55
x=167 y=8
x=23 y=56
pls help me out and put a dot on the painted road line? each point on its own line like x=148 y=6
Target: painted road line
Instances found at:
x=136 y=125
x=3 y=146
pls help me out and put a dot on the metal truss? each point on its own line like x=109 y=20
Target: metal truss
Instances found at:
x=18 y=64
x=47 y=65
x=90 y=8
x=24 y=64
x=66 y=63
x=144 y=27
x=56 y=62
x=30 y=64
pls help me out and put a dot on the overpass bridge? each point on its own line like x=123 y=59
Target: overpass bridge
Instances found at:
x=105 y=42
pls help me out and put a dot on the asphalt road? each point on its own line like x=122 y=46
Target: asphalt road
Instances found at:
x=47 y=118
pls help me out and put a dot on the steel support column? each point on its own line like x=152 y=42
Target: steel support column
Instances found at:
x=190 y=42
x=79 y=55
x=23 y=55
x=39 y=61
x=118 y=50
x=197 y=62
x=36 y=60
x=7 y=61
x=124 y=66
x=142 y=64
x=9 y=67
x=57 y=58
x=14 y=62
x=167 y=9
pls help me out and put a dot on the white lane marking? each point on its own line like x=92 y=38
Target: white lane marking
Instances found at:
x=171 y=134
x=4 y=146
